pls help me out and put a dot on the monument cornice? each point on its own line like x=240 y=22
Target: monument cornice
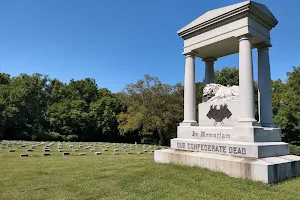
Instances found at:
x=247 y=10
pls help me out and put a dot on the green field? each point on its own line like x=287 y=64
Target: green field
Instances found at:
x=122 y=176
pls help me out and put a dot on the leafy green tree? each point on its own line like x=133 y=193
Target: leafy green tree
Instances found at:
x=69 y=117
x=104 y=115
x=227 y=76
x=287 y=106
x=85 y=89
x=153 y=110
x=56 y=91
x=23 y=106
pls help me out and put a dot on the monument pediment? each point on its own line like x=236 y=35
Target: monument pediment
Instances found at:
x=247 y=8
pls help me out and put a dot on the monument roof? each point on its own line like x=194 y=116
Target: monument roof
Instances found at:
x=219 y=14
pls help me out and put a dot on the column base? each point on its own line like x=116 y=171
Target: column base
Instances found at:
x=271 y=125
x=247 y=122
x=188 y=123
x=266 y=170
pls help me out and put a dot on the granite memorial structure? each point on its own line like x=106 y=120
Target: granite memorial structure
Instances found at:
x=227 y=137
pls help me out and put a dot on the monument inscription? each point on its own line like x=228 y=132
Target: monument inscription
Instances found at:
x=203 y=134
x=212 y=148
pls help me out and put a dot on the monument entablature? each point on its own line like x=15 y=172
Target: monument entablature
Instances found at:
x=227 y=137
x=217 y=32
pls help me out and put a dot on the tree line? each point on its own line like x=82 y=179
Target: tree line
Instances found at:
x=36 y=107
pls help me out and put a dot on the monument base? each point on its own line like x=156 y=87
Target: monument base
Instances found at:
x=266 y=170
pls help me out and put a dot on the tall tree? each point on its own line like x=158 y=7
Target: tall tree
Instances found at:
x=23 y=106
x=153 y=110
x=287 y=106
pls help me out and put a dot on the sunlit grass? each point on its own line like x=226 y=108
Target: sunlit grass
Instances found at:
x=121 y=176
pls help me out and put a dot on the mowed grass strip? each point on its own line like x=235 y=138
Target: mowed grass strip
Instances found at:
x=122 y=177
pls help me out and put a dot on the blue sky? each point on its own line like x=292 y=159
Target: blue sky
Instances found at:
x=118 y=41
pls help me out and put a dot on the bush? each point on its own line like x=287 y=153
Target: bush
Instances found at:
x=48 y=136
x=72 y=138
x=295 y=150
x=56 y=136
x=23 y=136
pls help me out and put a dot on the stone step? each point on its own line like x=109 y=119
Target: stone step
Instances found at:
x=232 y=148
x=267 y=170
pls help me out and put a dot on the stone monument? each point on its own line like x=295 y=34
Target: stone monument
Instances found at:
x=227 y=137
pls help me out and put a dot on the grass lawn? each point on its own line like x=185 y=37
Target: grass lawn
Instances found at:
x=122 y=177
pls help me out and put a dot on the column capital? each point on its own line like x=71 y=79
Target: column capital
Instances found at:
x=245 y=37
x=262 y=45
x=209 y=59
x=189 y=54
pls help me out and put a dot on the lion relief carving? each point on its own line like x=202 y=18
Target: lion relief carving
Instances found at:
x=216 y=92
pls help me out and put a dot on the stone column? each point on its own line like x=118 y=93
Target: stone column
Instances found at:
x=209 y=70
x=246 y=86
x=189 y=92
x=264 y=87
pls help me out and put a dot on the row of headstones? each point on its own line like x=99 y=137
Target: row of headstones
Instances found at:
x=89 y=146
x=83 y=154
x=20 y=144
x=24 y=145
x=86 y=145
x=60 y=147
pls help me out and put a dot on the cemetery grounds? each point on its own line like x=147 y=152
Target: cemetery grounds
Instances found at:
x=121 y=171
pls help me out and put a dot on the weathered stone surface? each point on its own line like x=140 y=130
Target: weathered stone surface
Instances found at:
x=267 y=170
